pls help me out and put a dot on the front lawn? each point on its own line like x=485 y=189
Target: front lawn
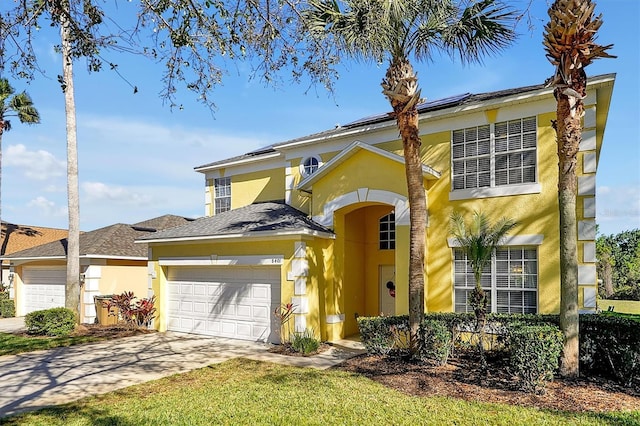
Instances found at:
x=244 y=392
x=11 y=344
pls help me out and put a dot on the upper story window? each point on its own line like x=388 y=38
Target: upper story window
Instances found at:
x=494 y=155
x=387 y=227
x=309 y=165
x=222 y=194
x=510 y=281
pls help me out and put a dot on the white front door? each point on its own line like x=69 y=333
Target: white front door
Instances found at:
x=387 y=274
x=236 y=301
x=43 y=288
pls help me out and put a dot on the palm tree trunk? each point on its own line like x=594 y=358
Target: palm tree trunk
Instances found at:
x=1 y=132
x=72 y=289
x=569 y=129
x=400 y=86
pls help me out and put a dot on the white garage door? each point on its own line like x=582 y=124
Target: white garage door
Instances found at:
x=236 y=302
x=43 y=288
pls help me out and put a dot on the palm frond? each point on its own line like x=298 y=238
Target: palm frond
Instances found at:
x=482 y=29
x=479 y=238
x=570 y=38
x=22 y=105
x=5 y=90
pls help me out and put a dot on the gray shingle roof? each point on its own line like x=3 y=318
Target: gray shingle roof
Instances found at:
x=114 y=240
x=252 y=219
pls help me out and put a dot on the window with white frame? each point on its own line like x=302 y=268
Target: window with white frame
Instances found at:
x=309 y=165
x=222 y=195
x=494 y=155
x=510 y=281
x=387 y=228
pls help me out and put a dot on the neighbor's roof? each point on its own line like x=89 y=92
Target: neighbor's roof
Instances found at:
x=20 y=237
x=260 y=219
x=457 y=101
x=111 y=241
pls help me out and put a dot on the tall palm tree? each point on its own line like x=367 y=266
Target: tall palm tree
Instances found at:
x=569 y=41
x=478 y=240
x=402 y=31
x=14 y=105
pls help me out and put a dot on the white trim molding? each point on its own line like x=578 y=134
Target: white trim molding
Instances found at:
x=335 y=319
x=514 y=240
x=400 y=203
x=215 y=260
x=498 y=191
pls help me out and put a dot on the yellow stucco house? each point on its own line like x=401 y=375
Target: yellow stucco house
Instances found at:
x=110 y=263
x=322 y=221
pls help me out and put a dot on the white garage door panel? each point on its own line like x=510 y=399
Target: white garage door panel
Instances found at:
x=43 y=288
x=234 y=302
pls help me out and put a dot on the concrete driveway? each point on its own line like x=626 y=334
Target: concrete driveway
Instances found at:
x=37 y=379
x=11 y=325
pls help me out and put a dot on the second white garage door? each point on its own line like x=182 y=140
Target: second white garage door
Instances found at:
x=43 y=288
x=236 y=302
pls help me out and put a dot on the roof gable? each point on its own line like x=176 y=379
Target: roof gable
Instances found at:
x=350 y=151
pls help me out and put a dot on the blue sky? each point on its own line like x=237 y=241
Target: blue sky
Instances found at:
x=136 y=156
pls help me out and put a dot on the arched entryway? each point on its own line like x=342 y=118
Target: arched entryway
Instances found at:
x=367 y=233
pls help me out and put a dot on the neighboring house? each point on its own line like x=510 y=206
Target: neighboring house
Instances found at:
x=110 y=263
x=14 y=238
x=322 y=221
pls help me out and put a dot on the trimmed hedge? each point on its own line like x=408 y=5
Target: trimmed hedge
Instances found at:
x=435 y=340
x=534 y=352
x=7 y=308
x=609 y=344
x=378 y=334
x=50 y=322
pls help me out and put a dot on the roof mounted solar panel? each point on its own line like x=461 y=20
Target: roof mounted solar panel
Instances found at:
x=263 y=150
x=423 y=107
x=441 y=103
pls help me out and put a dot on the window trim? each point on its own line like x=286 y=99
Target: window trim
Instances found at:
x=493 y=288
x=303 y=168
x=495 y=190
x=216 y=197
x=390 y=220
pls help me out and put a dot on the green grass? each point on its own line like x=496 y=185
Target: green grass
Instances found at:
x=244 y=392
x=11 y=344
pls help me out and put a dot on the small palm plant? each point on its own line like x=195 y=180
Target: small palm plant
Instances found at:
x=478 y=240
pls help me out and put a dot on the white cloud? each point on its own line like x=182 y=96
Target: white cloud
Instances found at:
x=36 y=165
x=98 y=191
x=46 y=207
x=134 y=133
x=54 y=188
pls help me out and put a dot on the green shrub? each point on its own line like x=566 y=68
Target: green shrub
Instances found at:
x=382 y=335
x=7 y=308
x=534 y=352
x=610 y=347
x=435 y=340
x=304 y=342
x=50 y=322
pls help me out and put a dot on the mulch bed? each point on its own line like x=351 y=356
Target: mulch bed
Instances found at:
x=462 y=378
